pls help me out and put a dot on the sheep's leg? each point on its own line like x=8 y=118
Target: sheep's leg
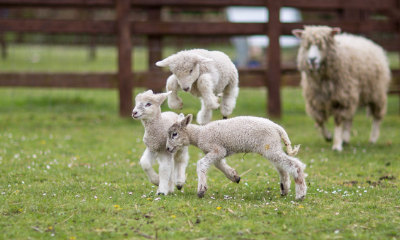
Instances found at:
x=292 y=166
x=174 y=102
x=166 y=168
x=228 y=100
x=324 y=131
x=338 y=138
x=204 y=115
x=229 y=172
x=346 y=131
x=202 y=166
x=181 y=162
x=284 y=180
x=375 y=130
x=146 y=161
x=205 y=86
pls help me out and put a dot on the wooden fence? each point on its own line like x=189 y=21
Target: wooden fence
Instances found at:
x=355 y=16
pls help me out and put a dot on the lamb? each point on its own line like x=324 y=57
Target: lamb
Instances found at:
x=340 y=72
x=220 y=139
x=172 y=165
x=204 y=74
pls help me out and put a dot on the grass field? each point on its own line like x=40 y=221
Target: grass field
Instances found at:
x=69 y=170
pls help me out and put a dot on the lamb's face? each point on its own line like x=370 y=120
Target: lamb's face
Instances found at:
x=187 y=73
x=177 y=138
x=148 y=105
x=315 y=41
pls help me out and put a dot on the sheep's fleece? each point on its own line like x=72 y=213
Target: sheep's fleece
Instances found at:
x=340 y=72
x=220 y=139
x=172 y=166
x=204 y=74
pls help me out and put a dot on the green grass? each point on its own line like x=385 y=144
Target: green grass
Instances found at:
x=69 y=170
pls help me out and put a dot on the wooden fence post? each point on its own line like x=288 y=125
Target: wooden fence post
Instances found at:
x=124 y=58
x=274 y=59
x=154 y=45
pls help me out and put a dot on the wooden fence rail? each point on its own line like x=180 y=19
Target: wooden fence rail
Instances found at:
x=275 y=75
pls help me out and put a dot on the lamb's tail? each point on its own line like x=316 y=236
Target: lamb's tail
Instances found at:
x=285 y=138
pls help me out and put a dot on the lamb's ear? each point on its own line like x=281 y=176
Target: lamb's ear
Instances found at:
x=149 y=91
x=162 y=96
x=201 y=59
x=298 y=33
x=187 y=120
x=181 y=117
x=335 y=31
x=166 y=62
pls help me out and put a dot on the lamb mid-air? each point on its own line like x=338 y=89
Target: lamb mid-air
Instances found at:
x=220 y=139
x=204 y=74
x=339 y=73
x=172 y=165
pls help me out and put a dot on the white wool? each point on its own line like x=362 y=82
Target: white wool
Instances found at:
x=205 y=74
x=345 y=72
x=220 y=139
x=172 y=166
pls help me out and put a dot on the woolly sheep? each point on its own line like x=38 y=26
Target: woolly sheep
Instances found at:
x=172 y=166
x=220 y=139
x=204 y=74
x=340 y=72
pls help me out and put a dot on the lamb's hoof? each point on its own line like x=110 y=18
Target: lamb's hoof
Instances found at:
x=301 y=198
x=224 y=117
x=337 y=148
x=237 y=180
x=201 y=194
x=179 y=187
x=328 y=139
x=283 y=194
x=160 y=193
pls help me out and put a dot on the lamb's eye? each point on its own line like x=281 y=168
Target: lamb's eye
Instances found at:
x=191 y=71
x=174 y=134
x=148 y=104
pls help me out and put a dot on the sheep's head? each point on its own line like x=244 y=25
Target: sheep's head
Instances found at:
x=185 y=66
x=178 y=136
x=315 y=42
x=148 y=105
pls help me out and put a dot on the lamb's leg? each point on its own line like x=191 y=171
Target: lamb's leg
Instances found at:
x=228 y=100
x=229 y=172
x=174 y=102
x=375 y=130
x=166 y=169
x=338 y=138
x=181 y=162
x=205 y=86
x=146 y=161
x=291 y=165
x=284 y=180
x=346 y=131
x=202 y=166
x=324 y=131
x=204 y=115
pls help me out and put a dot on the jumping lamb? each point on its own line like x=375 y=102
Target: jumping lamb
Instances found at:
x=220 y=139
x=204 y=74
x=340 y=72
x=172 y=165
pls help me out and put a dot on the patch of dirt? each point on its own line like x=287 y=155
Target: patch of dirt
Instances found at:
x=388 y=177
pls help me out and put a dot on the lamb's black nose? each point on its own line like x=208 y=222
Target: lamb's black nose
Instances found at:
x=312 y=59
x=134 y=113
x=186 y=89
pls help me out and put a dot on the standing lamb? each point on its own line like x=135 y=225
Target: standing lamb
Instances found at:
x=204 y=74
x=340 y=72
x=156 y=124
x=220 y=139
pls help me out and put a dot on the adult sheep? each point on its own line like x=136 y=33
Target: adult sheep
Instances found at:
x=204 y=74
x=340 y=72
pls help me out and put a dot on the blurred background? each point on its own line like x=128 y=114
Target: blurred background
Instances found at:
x=80 y=44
